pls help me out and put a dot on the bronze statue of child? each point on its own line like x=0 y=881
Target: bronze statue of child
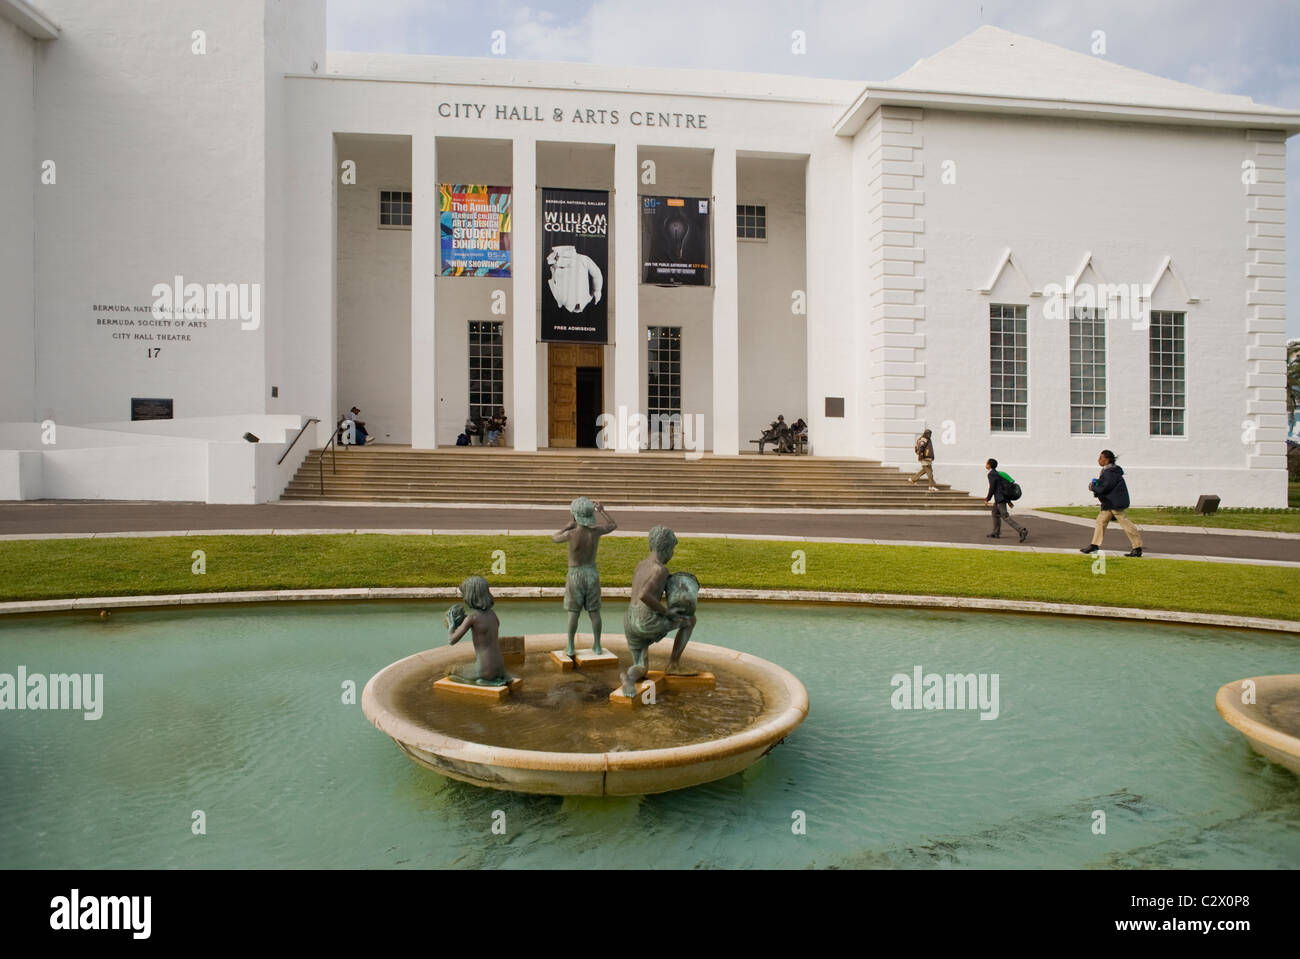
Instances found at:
x=489 y=667
x=582 y=584
x=649 y=618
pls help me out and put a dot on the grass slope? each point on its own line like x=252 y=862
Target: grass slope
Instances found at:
x=57 y=568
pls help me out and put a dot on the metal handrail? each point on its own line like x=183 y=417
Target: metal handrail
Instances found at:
x=310 y=421
x=334 y=462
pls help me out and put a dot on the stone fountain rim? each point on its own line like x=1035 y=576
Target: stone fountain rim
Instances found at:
x=773 y=725
x=1228 y=702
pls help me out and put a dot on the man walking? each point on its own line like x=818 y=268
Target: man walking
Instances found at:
x=999 y=484
x=1112 y=491
x=925 y=453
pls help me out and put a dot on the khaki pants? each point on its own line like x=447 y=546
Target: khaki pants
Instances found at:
x=1126 y=524
x=926 y=469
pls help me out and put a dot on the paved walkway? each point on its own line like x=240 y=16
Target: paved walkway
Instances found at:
x=964 y=529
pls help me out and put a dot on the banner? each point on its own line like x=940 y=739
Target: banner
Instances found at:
x=575 y=261
x=675 y=240
x=474 y=223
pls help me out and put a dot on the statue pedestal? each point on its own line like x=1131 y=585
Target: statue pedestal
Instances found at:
x=492 y=694
x=691 y=681
x=583 y=657
x=586 y=657
x=512 y=649
x=631 y=702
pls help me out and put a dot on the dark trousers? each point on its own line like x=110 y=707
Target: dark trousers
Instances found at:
x=1000 y=513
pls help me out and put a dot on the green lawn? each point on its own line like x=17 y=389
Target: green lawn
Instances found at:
x=45 y=569
x=1274 y=520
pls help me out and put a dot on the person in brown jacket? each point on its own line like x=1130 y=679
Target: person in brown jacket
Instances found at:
x=925 y=453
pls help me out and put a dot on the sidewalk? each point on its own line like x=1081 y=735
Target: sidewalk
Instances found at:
x=25 y=520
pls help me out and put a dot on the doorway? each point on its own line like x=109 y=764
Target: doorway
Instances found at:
x=589 y=405
x=575 y=396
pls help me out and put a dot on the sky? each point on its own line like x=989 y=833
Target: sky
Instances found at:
x=1250 y=48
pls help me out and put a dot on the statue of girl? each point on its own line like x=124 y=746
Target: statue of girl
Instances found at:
x=489 y=667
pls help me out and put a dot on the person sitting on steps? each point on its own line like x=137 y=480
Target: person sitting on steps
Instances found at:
x=353 y=430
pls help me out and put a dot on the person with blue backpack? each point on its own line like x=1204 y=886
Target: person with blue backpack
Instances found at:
x=1003 y=490
x=1112 y=492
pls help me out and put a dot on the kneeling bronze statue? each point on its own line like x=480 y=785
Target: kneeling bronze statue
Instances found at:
x=661 y=602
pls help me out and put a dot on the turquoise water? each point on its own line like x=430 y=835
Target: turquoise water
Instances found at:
x=238 y=712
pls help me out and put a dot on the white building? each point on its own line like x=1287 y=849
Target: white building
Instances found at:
x=922 y=253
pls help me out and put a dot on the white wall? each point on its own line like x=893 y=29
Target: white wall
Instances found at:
x=837 y=307
x=374 y=290
x=204 y=460
x=163 y=164
x=1053 y=190
x=294 y=36
x=773 y=340
x=19 y=176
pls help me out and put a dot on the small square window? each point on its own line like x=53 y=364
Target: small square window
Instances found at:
x=751 y=222
x=395 y=209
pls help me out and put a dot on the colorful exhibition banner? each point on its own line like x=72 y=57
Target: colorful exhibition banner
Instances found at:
x=474 y=223
x=675 y=241
x=575 y=259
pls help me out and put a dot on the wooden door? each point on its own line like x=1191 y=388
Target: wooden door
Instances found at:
x=563 y=395
x=562 y=389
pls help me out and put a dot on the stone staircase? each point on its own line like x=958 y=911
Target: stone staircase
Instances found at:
x=554 y=477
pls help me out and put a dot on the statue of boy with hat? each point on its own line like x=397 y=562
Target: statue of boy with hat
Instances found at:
x=582 y=585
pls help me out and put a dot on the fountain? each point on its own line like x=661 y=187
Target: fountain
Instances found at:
x=564 y=721
x=1266 y=710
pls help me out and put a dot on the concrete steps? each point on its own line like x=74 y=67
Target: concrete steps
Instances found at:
x=554 y=477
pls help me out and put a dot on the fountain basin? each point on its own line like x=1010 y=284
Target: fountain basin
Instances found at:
x=609 y=772
x=1271 y=724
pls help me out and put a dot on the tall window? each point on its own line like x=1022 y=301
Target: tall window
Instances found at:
x=664 y=354
x=1087 y=370
x=751 y=222
x=395 y=208
x=1168 y=378
x=486 y=372
x=1008 y=368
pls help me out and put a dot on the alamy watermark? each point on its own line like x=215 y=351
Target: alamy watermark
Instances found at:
x=626 y=432
x=83 y=691
x=212 y=301
x=75 y=912
x=1121 y=301
x=923 y=690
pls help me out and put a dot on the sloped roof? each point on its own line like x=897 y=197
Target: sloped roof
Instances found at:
x=995 y=69
x=498 y=71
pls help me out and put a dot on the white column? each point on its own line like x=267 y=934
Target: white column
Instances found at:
x=726 y=306
x=424 y=267
x=523 y=297
x=627 y=287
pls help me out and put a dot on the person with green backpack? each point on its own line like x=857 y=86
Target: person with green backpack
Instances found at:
x=1002 y=490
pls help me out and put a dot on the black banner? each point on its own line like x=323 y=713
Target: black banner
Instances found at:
x=152 y=409
x=575 y=263
x=1233 y=911
x=675 y=240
